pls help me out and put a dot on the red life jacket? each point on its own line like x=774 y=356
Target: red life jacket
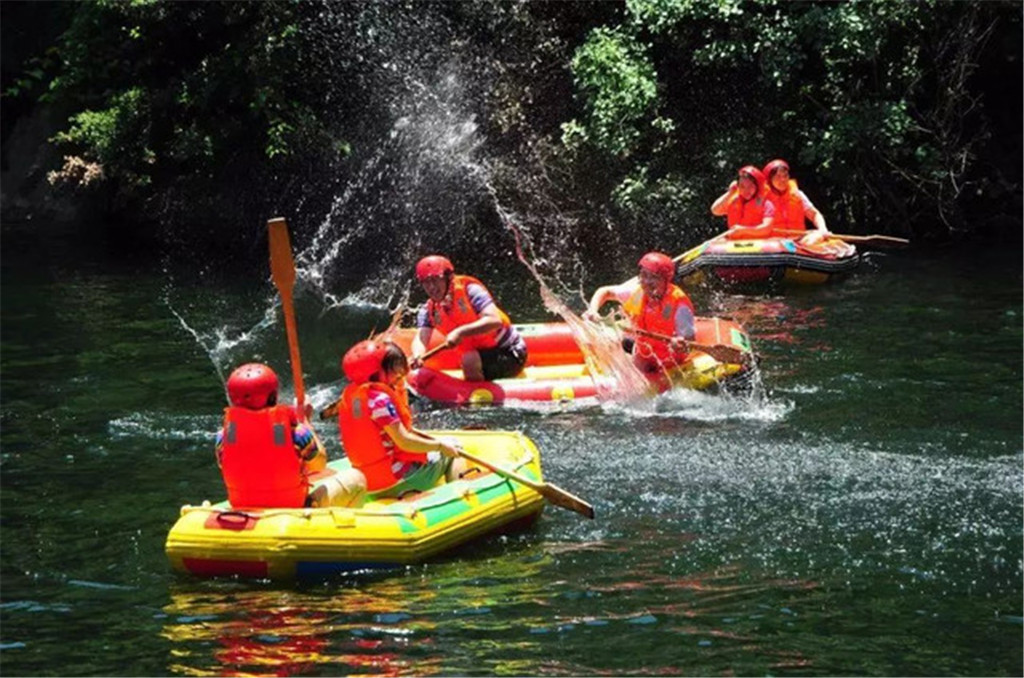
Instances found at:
x=362 y=438
x=659 y=317
x=460 y=312
x=789 y=208
x=260 y=465
x=746 y=212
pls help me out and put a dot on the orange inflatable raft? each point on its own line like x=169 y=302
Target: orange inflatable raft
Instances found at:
x=556 y=370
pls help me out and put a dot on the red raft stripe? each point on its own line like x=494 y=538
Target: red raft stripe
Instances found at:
x=221 y=568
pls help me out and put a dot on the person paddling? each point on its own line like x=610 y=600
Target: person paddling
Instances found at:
x=745 y=206
x=265 y=453
x=653 y=304
x=461 y=307
x=377 y=429
x=792 y=206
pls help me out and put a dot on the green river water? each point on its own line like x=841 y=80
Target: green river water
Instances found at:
x=864 y=518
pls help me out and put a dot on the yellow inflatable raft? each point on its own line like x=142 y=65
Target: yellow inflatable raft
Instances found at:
x=216 y=540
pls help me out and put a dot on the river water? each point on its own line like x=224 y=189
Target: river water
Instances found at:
x=864 y=517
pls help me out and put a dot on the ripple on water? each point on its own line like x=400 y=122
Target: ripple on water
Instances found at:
x=704 y=407
x=161 y=426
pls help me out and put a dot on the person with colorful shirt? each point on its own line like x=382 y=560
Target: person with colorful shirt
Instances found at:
x=791 y=205
x=745 y=206
x=461 y=307
x=376 y=425
x=265 y=452
x=653 y=303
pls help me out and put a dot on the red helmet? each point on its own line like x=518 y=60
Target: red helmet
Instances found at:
x=773 y=167
x=434 y=265
x=755 y=174
x=362 y=361
x=659 y=264
x=253 y=385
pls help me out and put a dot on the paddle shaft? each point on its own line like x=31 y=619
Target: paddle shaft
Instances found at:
x=724 y=352
x=552 y=493
x=282 y=270
x=884 y=240
x=331 y=411
x=694 y=250
x=434 y=351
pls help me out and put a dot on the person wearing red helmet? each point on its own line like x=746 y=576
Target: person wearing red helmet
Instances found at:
x=265 y=453
x=461 y=307
x=655 y=304
x=792 y=206
x=376 y=424
x=744 y=205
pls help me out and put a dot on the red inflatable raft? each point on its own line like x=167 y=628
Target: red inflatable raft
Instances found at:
x=737 y=258
x=556 y=371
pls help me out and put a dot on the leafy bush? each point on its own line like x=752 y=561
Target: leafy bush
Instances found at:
x=870 y=102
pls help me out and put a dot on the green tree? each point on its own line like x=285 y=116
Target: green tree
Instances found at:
x=871 y=102
x=172 y=96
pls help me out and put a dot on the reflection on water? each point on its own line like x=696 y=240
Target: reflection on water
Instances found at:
x=375 y=624
x=494 y=615
x=774 y=319
x=865 y=522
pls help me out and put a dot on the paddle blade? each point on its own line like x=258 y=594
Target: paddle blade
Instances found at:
x=879 y=241
x=725 y=354
x=282 y=266
x=331 y=411
x=552 y=493
x=559 y=497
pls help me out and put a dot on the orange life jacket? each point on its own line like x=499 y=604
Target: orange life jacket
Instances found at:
x=746 y=212
x=789 y=208
x=362 y=438
x=659 y=317
x=460 y=312
x=259 y=462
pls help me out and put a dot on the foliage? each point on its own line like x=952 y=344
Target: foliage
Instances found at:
x=615 y=74
x=115 y=138
x=633 y=113
x=160 y=94
x=870 y=102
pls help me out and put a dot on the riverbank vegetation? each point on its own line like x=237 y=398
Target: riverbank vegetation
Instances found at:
x=902 y=118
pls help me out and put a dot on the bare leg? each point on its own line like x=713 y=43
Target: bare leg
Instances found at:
x=456 y=469
x=346 y=489
x=472 y=367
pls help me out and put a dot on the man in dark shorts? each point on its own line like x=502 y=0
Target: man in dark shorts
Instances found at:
x=461 y=308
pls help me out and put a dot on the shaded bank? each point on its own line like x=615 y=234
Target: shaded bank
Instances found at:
x=206 y=118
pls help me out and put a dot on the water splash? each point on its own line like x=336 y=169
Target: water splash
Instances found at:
x=617 y=379
x=707 y=407
x=413 y=192
x=421 y=189
x=220 y=344
x=160 y=426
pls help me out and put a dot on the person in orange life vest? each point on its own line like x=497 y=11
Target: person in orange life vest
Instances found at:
x=264 y=452
x=376 y=424
x=792 y=206
x=655 y=304
x=745 y=206
x=461 y=307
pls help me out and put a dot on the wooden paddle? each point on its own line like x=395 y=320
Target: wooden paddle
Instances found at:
x=878 y=240
x=720 y=352
x=552 y=493
x=331 y=411
x=282 y=270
